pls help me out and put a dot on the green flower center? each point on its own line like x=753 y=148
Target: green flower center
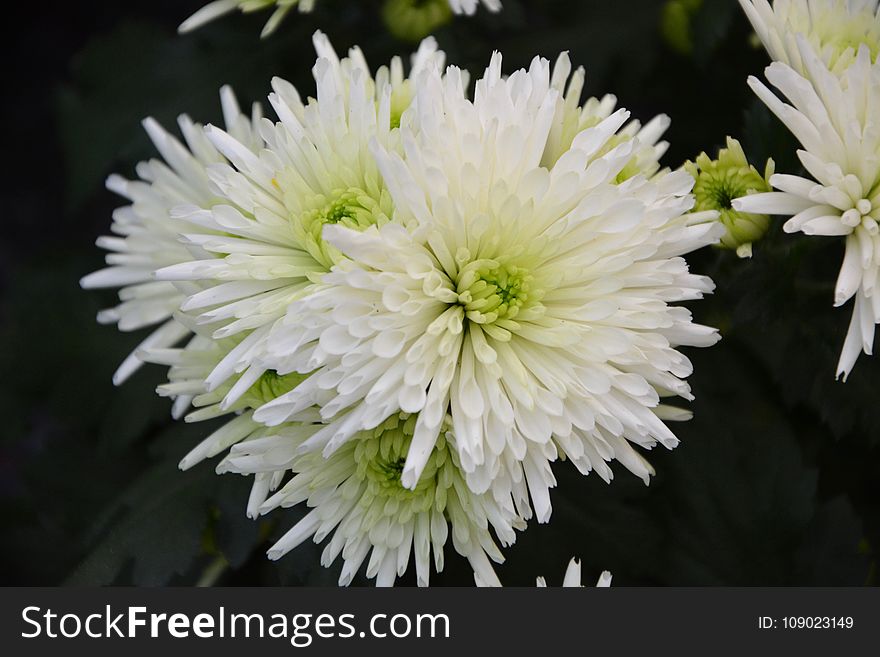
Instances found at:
x=716 y=188
x=353 y=208
x=380 y=455
x=851 y=34
x=717 y=183
x=270 y=386
x=490 y=290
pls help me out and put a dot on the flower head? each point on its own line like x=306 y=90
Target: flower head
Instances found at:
x=531 y=306
x=357 y=499
x=719 y=182
x=835 y=29
x=356 y=494
x=835 y=120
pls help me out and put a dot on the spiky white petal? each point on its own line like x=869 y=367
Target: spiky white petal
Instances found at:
x=572 y=577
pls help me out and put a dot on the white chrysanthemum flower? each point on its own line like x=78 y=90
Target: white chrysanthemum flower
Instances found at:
x=378 y=515
x=531 y=305
x=836 y=29
x=356 y=495
x=836 y=121
x=261 y=249
x=146 y=238
x=220 y=8
x=572 y=118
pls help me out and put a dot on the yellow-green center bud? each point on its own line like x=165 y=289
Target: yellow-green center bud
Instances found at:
x=490 y=290
x=718 y=182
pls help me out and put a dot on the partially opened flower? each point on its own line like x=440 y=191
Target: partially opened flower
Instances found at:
x=836 y=123
x=219 y=8
x=147 y=237
x=530 y=307
x=835 y=29
x=719 y=182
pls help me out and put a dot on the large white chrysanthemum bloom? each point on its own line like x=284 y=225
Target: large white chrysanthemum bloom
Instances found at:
x=261 y=249
x=572 y=118
x=282 y=7
x=357 y=496
x=836 y=29
x=146 y=237
x=532 y=305
x=835 y=118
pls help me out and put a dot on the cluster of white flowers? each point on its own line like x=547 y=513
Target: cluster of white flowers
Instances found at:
x=827 y=67
x=411 y=303
x=219 y=8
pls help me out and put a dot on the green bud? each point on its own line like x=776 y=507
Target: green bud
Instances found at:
x=412 y=20
x=675 y=24
x=719 y=182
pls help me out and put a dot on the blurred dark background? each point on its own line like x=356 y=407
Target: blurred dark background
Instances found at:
x=777 y=478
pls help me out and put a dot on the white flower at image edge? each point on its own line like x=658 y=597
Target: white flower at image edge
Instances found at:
x=531 y=305
x=836 y=121
x=835 y=29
